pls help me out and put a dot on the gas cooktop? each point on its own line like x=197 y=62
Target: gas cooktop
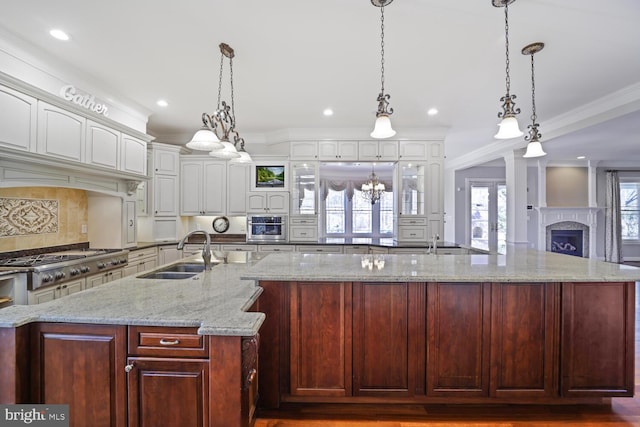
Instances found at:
x=52 y=257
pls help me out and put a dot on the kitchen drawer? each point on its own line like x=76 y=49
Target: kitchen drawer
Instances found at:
x=246 y=248
x=304 y=220
x=163 y=342
x=412 y=220
x=310 y=249
x=412 y=234
x=143 y=253
x=276 y=248
x=301 y=233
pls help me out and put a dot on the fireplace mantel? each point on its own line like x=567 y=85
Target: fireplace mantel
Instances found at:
x=584 y=215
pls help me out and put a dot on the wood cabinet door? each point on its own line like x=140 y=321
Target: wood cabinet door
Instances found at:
x=597 y=348
x=524 y=339
x=97 y=353
x=388 y=339
x=320 y=328
x=458 y=337
x=168 y=392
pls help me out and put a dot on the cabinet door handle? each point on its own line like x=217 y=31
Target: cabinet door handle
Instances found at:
x=169 y=342
x=128 y=368
x=251 y=376
x=130 y=223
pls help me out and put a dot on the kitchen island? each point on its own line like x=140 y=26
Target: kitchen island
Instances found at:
x=529 y=327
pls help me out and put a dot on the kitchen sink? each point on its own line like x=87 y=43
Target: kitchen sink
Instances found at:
x=174 y=275
x=181 y=270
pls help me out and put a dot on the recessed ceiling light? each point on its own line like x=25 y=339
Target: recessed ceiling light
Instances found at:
x=59 y=34
x=432 y=111
x=328 y=112
x=162 y=103
x=581 y=157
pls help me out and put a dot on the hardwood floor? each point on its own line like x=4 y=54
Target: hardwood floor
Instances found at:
x=621 y=412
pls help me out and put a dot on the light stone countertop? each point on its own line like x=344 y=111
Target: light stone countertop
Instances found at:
x=518 y=266
x=215 y=303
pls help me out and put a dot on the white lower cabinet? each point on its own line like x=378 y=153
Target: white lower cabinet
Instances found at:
x=276 y=248
x=141 y=260
x=106 y=277
x=356 y=249
x=303 y=228
x=238 y=247
x=312 y=249
x=167 y=254
x=54 y=292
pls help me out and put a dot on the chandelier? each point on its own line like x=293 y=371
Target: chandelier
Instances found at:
x=508 y=127
x=534 y=148
x=382 y=128
x=373 y=189
x=219 y=128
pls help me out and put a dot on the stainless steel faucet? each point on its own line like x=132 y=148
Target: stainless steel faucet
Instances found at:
x=206 y=249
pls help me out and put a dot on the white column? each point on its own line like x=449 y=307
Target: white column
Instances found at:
x=516 y=176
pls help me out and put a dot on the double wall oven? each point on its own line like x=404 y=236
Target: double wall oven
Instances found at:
x=57 y=268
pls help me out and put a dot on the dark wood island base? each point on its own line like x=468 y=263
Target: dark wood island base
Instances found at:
x=446 y=343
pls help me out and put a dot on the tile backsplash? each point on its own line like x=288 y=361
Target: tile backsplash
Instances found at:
x=34 y=217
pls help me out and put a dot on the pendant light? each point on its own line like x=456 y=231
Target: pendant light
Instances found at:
x=508 y=127
x=382 y=128
x=220 y=126
x=534 y=148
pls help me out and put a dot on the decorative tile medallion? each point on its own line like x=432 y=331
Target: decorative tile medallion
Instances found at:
x=28 y=216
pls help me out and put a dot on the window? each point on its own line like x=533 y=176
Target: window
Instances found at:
x=358 y=217
x=630 y=210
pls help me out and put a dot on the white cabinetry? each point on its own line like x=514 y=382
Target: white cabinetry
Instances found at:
x=378 y=150
x=435 y=198
x=60 y=133
x=133 y=155
x=344 y=151
x=54 y=292
x=319 y=249
x=414 y=150
x=204 y=187
x=18 y=120
x=167 y=254
x=106 y=277
x=112 y=221
x=141 y=260
x=237 y=188
x=303 y=228
x=268 y=202
x=303 y=150
x=102 y=146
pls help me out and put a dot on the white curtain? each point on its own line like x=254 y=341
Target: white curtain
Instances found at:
x=612 y=227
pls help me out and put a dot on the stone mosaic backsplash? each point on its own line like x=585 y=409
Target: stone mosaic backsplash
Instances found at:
x=28 y=216
x=37 y=217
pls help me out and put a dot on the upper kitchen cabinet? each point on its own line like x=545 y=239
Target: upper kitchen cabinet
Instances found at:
x=414 y=150
x=204 y=187
x=303 y=150
x=166 y=162
x=133 y=155
x=378 y=151
x=266 y=202
x=304 y=188
x=103 y=145
x=344 y=151
x=60 y=133
x=18 y=120
x=237 y=187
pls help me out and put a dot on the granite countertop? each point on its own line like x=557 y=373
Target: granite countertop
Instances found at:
x=215 y=302
x=518 y=266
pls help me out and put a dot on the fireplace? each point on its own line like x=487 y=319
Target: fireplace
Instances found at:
x=568 y=242
x=572 y=219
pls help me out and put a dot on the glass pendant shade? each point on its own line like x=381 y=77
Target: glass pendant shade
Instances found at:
x=508 y=128
x=227 y=152
x=244 y=158
x=204 y=140
x=382 y=128
x=534 y=149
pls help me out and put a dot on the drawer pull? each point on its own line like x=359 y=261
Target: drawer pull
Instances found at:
x=128 y=368
x=169 y=342
x=251 y=376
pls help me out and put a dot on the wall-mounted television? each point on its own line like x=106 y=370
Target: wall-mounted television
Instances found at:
x=270 y=176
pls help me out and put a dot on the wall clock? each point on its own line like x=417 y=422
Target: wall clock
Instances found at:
x=220 y=224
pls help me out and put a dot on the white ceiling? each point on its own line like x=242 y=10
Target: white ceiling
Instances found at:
x=294 y=58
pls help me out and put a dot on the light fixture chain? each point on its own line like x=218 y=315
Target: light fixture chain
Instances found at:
x=506 y=37
x=220 y=82
x=533 y=92
x=382 y=47
x=233 y=109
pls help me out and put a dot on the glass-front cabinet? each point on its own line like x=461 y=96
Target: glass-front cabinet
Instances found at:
x=303 y=224
x=411 y=194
